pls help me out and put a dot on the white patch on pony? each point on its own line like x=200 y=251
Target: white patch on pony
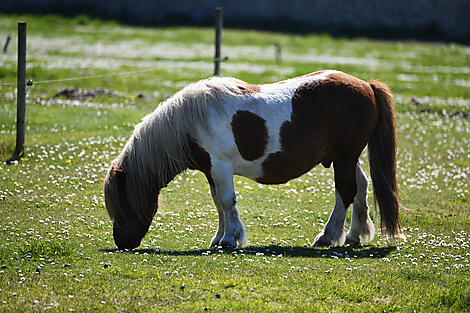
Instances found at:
x=362 y=227
x=333 y=234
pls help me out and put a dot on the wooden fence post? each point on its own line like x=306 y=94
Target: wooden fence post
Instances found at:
x=21 y=92
x=7 y=42
x=278 y=52
x=218 y=40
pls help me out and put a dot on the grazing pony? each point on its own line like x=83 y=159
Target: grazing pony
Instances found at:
x=268 y=133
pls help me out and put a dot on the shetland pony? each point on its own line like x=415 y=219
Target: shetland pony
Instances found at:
x=268 y=133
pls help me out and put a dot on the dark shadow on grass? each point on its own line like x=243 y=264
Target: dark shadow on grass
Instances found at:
x=361 y=252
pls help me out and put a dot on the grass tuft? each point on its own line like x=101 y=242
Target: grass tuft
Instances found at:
x=7 y=147
x=37 y=249
x=456 y=299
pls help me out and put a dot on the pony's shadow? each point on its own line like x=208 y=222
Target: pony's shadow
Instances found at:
x=361 y=252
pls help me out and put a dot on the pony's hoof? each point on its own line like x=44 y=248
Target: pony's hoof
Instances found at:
x=216 y=240
x=228 y=244
x=322 y=241
x=353 y=242
x=214 y=244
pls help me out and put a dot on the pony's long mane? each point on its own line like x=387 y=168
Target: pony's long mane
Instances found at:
x=159 y=148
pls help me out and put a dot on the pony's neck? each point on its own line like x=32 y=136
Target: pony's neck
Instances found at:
x=196 y=158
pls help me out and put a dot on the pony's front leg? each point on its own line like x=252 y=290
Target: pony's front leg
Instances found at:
x=221 y=227
x=224 y=198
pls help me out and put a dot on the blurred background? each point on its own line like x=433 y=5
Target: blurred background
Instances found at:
x=442 y=20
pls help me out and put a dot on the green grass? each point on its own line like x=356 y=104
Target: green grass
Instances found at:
x=56 y=247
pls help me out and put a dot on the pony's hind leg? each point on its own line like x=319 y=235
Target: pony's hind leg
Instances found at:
x=362 y=226
x=231 y=232
x=333 y=234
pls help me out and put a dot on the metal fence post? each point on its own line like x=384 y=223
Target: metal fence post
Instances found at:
x=218 y=40
x=21 y=95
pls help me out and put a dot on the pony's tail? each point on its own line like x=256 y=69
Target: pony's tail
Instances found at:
x=382 y=159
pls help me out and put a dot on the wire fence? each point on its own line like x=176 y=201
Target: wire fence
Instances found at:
x=50 y=81
x=22 y=81
x=217 y=60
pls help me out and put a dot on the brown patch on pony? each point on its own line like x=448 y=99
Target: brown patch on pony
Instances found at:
x=129 y=225
x=251 y=134
x=115 y=187
x=115 y=191
x=247 y=89
x=326 y=161
x=332 y=120
x=200 y=158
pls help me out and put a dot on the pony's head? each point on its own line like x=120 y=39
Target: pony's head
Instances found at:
x=160 y=148
x=128 y=206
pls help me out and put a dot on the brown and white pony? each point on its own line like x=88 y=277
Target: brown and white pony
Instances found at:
x=269 y=133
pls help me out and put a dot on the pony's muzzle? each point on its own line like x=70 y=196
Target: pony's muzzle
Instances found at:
x=126 y=240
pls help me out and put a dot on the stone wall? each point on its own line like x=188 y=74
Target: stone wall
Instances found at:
x=421 y=19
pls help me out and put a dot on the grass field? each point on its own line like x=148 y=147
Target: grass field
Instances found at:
x=56 y=246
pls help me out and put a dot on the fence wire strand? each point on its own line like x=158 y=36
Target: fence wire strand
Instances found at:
x=31 y=82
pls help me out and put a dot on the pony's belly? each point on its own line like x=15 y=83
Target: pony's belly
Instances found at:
x=251 y=169
x=280 y=167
